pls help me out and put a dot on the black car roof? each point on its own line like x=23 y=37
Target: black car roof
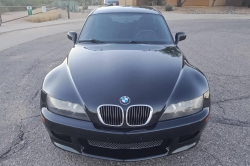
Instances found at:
x=126 y=9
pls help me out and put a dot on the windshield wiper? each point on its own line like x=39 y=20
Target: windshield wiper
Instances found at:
x=92 y=41
x=137 y=42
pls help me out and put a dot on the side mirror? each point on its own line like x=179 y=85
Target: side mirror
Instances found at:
x=179 y=36
x=72 y=36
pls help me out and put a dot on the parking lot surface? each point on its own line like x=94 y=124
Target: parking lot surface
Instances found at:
x=219 y=48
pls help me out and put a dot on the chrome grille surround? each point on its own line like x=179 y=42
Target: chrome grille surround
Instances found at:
x=112 y=114
x=141 y=115
x=139 y=145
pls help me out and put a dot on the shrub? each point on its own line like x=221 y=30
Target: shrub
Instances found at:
x=168 y=8
x=44 y=17
x=2 y=9
x=84 y=7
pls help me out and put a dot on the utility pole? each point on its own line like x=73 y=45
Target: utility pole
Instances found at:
x=0 y=19
x=68 y=11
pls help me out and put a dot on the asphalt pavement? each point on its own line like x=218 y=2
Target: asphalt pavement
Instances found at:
x=219 y=48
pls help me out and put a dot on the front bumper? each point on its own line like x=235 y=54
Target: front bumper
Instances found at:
x=73 y=135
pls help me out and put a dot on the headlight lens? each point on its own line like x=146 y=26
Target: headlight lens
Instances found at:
x=66 y=108
x=183 y=109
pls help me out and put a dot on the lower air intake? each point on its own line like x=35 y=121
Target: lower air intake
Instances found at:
x=140 y=145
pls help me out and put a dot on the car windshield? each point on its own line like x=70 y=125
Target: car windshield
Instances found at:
x=126 y=28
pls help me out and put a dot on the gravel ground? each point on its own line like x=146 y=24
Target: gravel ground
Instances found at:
x=217 y=10
x=220 y=48
x=208 y=10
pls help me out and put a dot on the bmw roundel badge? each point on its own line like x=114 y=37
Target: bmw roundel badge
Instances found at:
x=125 y=100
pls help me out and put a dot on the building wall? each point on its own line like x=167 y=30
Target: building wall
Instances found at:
x=189 y=2
x=127 y=2
x=142 y=2
x=171 y=2
x=134 y=2
x=233 y=2
x=218 y=3
x=208 y=2
x=196 y=3
x=121 y=2
x=245 y=2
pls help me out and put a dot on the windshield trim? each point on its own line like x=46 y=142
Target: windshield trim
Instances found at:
x=123 y=42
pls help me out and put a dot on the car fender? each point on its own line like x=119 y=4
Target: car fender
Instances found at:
x=190 y=85
x=59 y=84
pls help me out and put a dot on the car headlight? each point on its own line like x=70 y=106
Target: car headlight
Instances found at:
x=183 y=109
x=66 y=108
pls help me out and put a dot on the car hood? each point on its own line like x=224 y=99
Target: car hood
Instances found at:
x=103 y=73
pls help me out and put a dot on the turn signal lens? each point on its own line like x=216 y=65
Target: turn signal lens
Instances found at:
x=207 y=118
x=43 y=119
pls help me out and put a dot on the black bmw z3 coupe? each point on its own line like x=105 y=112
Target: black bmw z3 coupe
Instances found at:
x=125 y=91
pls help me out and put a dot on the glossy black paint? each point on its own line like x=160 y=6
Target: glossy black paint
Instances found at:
x=148 y=74
x=179 y=36
x=72 y=36
x=96 y=74
x=170 y=131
